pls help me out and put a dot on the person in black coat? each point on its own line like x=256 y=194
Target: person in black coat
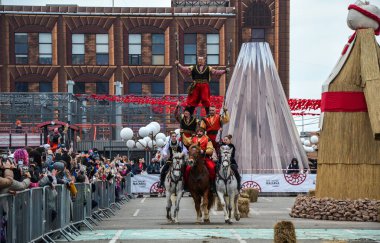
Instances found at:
x=234 y=166
x=293 y=167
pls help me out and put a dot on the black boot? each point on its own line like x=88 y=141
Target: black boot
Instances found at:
x=213 y=186
x=191 y=109
x=163 y=175
x=237 y=176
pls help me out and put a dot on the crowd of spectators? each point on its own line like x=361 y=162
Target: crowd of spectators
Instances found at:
x=38 y=167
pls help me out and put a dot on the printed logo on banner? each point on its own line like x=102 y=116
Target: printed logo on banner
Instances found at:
x=140 y=183
x=155 y=189
x=295 y=179
x=273 y=183
x=251 y=184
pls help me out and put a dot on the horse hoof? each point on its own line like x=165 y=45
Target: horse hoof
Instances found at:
x=237 y=217
x=229 y=222
x=206 y=221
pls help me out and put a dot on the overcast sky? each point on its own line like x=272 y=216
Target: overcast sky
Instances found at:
x=318 y=33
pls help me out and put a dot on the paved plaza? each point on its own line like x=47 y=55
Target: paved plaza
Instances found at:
x=143 y=220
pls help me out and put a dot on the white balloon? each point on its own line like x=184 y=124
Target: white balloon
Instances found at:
x=307 y=143
x=143 y=132
x=151 y=143
x=314 y=139
x=151 y=128
x=308 y=149
x=157 y=127
x=160 y=136
x=141 y=144
x=177 y=131
x=160 y=142
x=147 y=139
x=131 y=144
x=126 y=133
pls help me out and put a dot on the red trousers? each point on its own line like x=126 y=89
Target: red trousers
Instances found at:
x=201 y=93
x=210 y=167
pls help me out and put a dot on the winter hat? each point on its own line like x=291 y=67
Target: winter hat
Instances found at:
x=60 y=166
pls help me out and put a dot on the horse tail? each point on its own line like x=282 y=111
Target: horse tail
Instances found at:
x=211 y=200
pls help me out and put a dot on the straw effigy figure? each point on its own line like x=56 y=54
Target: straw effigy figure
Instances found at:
x=349 y=151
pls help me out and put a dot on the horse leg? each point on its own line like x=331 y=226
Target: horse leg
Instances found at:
x=206 y=217
x=236 y=207
x=179 y=196
x=223 y=202
x=168 y=203
x=229 y=207
x=197 y=203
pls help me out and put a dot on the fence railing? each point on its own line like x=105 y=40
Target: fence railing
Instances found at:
x=50 y=213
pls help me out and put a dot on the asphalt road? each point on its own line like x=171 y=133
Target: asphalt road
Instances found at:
x=144 y=220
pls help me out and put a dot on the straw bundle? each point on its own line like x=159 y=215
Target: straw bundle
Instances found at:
x=311 y=193
x=243 y=206
x=284 y=231
x=253 y=194
x=348 y=159
x=244 y=195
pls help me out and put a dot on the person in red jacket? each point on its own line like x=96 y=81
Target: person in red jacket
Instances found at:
x=199 y=90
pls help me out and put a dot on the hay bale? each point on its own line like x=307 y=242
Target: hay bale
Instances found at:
x=244 y=195
x=311 y=193
x=243 y=205
x=284 y=231
x=253 y=194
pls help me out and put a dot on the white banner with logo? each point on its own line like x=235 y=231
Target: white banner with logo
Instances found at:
x=262 y=182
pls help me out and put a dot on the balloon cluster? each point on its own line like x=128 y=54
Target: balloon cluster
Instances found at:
x=310 y=145
x=147 y=137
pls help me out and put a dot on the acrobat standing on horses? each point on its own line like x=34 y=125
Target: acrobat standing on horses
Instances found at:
x=171 y=147
x=213 y=122
x=188 y=124
x=199 y=91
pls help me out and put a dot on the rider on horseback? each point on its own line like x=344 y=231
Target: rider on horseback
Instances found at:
x=234 y=165
x=202 y=140
x=173 y=146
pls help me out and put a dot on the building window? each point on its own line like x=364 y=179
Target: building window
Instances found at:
x=79 y=88
x=258 y=35
x=258 y=15
x=158 y=88
x=46 y=87
x=190 y=49
x=134 y=49
x=102 y=88
x=214 y=88
x=135 y=88
x=21 y=87
x=21 y=48
x=212 y=49
x=158 y=49
x=45 y=48
x=102 y=49
x=78 y=49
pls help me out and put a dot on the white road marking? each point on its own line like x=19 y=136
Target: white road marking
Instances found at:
x=116 y=236
x=142 y=200
x=136 y=212
x=289 y=209
x=237 y=236
x=254 y=211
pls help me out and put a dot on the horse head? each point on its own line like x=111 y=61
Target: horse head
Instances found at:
x=226 y=153
x=194 y=154
x=178 y=160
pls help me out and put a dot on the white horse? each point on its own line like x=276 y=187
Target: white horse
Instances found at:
x=226 y=186
x=174 y=186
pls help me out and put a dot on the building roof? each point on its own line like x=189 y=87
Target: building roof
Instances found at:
x=118 y=11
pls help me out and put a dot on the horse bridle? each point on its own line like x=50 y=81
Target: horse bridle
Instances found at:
x=176 y=166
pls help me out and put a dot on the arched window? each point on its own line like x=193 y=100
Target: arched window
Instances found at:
x=258 y=15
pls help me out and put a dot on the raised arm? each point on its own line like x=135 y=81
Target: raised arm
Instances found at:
x=183 y=69
x=217 y=73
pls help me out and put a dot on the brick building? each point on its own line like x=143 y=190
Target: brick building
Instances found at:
x=42 y=47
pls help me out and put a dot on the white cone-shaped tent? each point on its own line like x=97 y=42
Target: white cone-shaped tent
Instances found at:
x=263 y=129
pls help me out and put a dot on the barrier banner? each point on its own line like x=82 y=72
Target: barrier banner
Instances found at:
x=279 y=182
x=263 y=182
x=145 y=183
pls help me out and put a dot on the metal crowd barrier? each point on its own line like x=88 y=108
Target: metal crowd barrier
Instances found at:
x=46 y=214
